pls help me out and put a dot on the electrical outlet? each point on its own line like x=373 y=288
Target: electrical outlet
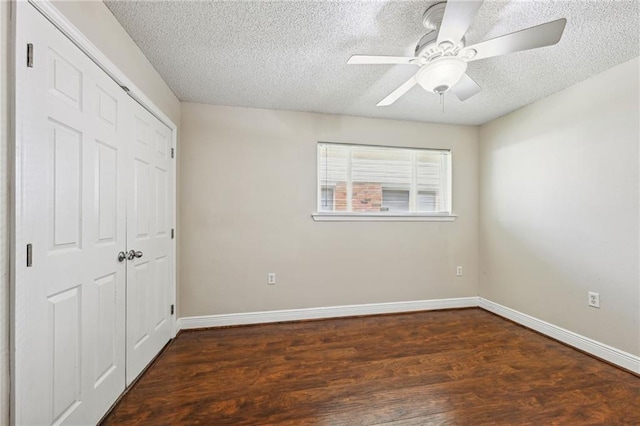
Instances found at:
x=271 y=278
x=594 y=299
x=459 y=271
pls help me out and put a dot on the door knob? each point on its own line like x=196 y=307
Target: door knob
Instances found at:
x=122 y=256
x=134 y=254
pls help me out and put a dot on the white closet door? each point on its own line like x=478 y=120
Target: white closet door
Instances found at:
x=69 y=356
x=149 y=220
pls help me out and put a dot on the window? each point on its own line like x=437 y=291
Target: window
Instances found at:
x=394 y=200
x=326 y=199
x=426 y=201
x=364 y=180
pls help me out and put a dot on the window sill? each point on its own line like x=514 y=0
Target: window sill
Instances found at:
x=372 y=217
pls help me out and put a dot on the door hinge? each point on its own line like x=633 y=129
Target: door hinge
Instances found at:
x=29 y=55
x=173 y=233
x=173 y=153
x=172 y=309
x=29 y=255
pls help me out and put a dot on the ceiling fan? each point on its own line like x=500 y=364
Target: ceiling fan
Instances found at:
x=442 y=54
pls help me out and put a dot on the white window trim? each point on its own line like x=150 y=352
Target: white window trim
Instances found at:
x=381 y=217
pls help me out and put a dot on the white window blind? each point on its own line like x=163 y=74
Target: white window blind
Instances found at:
x=383 y=180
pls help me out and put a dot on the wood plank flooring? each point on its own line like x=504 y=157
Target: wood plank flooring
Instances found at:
x=457 y=367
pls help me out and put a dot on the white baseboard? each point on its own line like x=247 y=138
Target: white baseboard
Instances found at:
x=615 y=356
x=325 y=312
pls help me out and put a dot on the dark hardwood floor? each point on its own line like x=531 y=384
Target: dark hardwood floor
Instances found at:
x=462 y=367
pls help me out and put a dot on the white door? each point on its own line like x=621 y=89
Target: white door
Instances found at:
x=149 y=220
x=69 y=359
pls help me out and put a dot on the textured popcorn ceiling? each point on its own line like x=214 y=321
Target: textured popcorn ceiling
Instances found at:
x=292 y=55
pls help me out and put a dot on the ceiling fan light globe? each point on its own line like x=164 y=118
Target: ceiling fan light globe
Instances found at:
x=441 y=73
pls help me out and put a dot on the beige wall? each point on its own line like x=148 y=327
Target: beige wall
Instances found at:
x=559 y=208
x=248 y=187
x=4 y=212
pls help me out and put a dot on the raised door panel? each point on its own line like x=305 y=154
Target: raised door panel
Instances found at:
x=161 y=207
x=65 y=352
x=142 y=195
x=106 y=169
x=108 y=344
x=159 y=298
x=138 y=286
x=65 y=187
x=65 y=80
x=107 y=109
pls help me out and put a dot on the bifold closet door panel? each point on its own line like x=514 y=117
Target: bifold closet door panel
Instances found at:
x=149 y=221
x=70 y=303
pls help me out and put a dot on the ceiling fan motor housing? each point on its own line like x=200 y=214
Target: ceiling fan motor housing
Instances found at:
x=428 y=49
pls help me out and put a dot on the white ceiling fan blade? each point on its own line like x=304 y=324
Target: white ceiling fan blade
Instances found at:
x=531 y=38
x=379 y=60
x=458 y=16
x=465 y=88
x=393 y=96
